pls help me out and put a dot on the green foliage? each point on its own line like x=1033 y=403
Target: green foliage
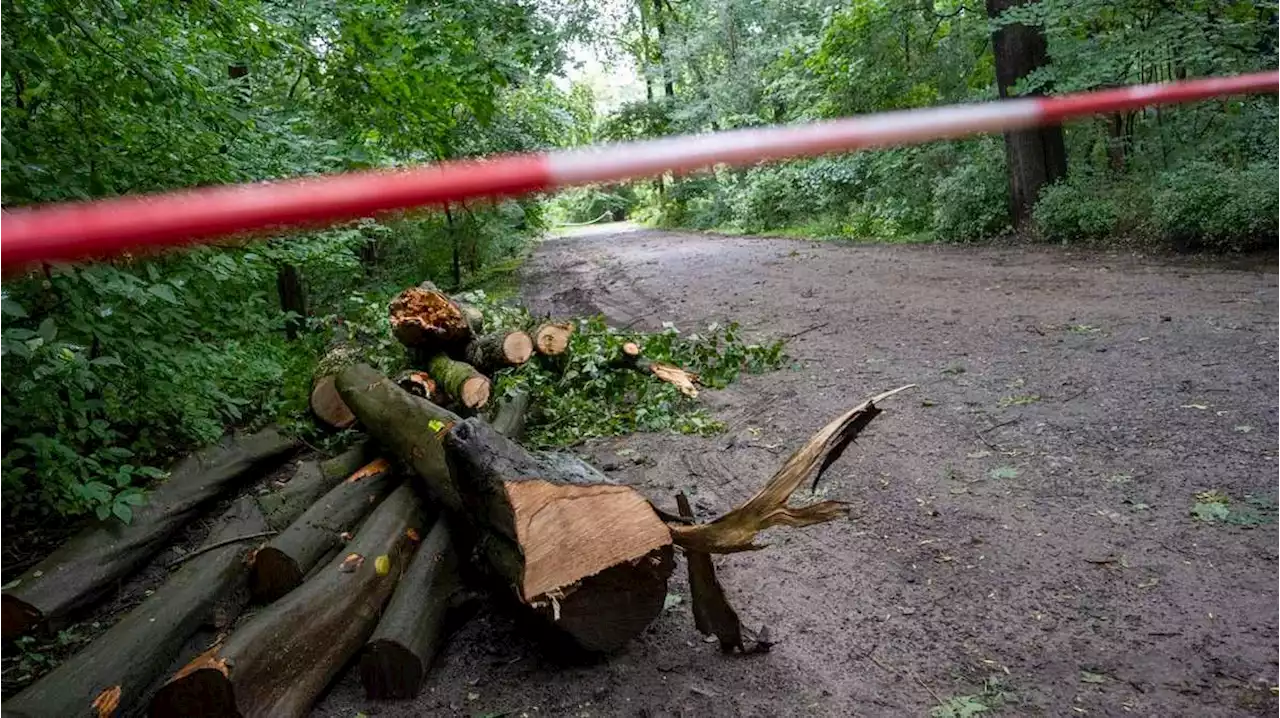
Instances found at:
x=970 y=203
x=1213 y=507
x=1070 y=211
x=112 y=370
x=587 y=393
x=1219 y=208
x=588 y=204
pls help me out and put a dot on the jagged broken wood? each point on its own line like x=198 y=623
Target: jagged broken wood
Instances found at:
x=126 y=660
x=280 y=660
x=426 y=318
x=284 y=561
x=460 y=381
x=736 y=530
x=684 y=380
x=712 y=613
x=92 y=560
x=398 y=654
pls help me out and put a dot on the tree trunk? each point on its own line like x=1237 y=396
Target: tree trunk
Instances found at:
x=278 y=663
x=1035 y=157
x=460 y=381
x=456 y=240
x=311 y=480
x=293 y=298
x=552 y=339
x=124 y=663
x=593 y=558
x=397 y=656
x=427 y=319
x=94 y=559
x=499 y=350
x=509 y=418
x=280 y=566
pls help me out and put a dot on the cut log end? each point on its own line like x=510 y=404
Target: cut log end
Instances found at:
x=197 y=693
x=275 y=573
x=390 y=671
x=552 y=339
x=475 y=392
x=517 y=347
x=418 y=383
x=18 y=616
x=605 y=611
x=328 y=406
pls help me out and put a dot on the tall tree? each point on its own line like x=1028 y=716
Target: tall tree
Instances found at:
x=1034 y=157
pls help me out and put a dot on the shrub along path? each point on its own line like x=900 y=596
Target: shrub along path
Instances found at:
x=1076 y=509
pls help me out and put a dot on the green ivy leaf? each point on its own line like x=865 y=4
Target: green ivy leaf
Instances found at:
x=122 y=512
x=12 y=308
x=48 y=331
x=163 y=291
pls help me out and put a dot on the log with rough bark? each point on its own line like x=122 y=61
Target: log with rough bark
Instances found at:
x=397 y=656
x=325 y=402
x=419 y=383
x=279 y=661
x=425 y=317
x=552 y=339
x=311 y=480
x=499 y=350
x=509 y=417
x=121 y=665
x=281 y=565
x=593 y=558
x=461 y=381
x=684 y=380
x=95 y=558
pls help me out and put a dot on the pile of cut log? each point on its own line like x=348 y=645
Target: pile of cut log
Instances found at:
x=359 y=560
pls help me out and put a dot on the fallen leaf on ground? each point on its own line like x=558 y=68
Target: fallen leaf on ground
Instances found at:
x=107 y=702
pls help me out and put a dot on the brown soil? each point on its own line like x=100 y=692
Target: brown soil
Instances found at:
x=1021 y=531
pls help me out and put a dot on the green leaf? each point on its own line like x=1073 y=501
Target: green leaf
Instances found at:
x=1210 y=512
x=122 y=512
x=107 y=361
x=163 y=291
x=12 y=308
x=1087 y=677
x=1004 y=472
x=47 y=330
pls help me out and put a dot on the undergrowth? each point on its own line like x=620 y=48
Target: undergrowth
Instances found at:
x=587 y=393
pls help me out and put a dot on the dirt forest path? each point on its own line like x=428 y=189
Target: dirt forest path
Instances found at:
x=1021 y=532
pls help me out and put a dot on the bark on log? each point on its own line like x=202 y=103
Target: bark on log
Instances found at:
x=419 y=383
x=92 y=560
x=460 y=381
x=425 y=317
x=684 y=380
x=499 y=350
x=397 y=656
x=124 y=663
x=278 y=663
x=396 y=419
x=311 y=480
x=283 y=563
x=509 y=418
x=593 y=558
x=552 y=339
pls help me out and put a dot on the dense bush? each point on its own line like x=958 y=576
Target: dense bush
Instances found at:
x=1219 y=208
x=971 y=202
x=1080 y=209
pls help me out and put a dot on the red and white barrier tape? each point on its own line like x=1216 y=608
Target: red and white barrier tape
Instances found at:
x=101 y=228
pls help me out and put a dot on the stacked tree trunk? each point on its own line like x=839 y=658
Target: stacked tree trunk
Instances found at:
x=358 y=560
